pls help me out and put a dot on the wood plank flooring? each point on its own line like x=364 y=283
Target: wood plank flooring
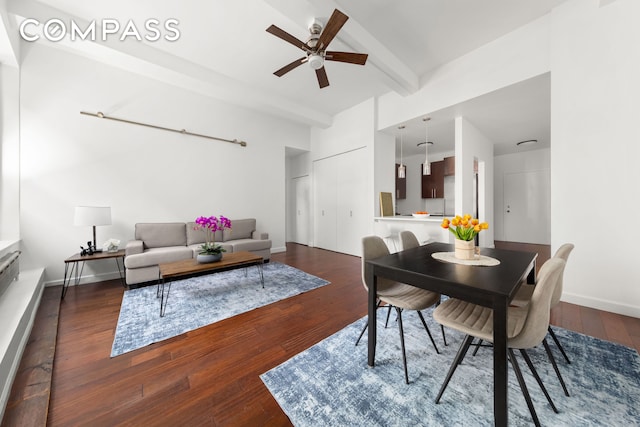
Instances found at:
x=29 y=398
x=205 y=377
x=210 y=376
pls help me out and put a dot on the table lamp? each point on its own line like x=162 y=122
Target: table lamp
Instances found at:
x=92 y=216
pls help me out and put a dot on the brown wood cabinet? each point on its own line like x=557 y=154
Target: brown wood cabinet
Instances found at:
x=449 y=166
x=433 y=185
x=401 y=184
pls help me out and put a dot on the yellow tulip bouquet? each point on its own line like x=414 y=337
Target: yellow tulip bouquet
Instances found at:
x=465 y=227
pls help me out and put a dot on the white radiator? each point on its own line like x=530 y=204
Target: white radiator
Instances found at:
x=9 y=270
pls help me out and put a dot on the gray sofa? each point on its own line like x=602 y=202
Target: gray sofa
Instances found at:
x=157 y=243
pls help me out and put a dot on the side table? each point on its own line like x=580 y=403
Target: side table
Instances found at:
x=76 y=258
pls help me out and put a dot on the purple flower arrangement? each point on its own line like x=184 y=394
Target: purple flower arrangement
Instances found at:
x=210 y=225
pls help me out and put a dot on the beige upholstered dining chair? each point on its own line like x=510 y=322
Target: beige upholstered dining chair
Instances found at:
x=526 y=327
x=398 y=295
x=408 y=240
x=523 y=296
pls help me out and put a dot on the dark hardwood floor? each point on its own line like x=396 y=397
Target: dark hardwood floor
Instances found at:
x=210 y=376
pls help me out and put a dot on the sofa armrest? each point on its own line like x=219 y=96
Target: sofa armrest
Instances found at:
x=134 y=247
x=257 y=235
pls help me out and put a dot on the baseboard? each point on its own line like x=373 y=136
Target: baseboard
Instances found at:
x=86 y=279
x=278 y=249
x=600 y=304
x=18 y=308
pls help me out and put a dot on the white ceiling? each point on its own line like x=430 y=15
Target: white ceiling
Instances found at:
x=225 y=52
x=516 y=113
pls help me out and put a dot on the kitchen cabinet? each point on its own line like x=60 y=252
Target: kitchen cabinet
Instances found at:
x=433 y=185
x=401 y=184
x=449 y=166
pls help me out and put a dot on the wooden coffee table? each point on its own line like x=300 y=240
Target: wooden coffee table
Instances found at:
x=190 y=268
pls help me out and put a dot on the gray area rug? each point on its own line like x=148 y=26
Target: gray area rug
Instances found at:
x=330 y=384
x=203 y=300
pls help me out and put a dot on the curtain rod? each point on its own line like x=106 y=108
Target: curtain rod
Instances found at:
x=101 y=115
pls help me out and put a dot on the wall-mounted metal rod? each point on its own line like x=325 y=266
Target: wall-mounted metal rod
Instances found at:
x=182 y=131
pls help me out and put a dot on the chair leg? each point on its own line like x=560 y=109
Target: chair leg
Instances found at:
x=404 y=355
x=555 y=366
x=527 y=359
x=366 y=324
x=523 y=387
x=388 y=314
x=462 y=351
x=477 y=347
x=428 y=331
x=555 y=339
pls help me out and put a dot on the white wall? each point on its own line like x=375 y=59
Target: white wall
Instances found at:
x=528 y=161
x=144 y=174
x=384 y=165
x=351 y=129
x=472 y=145
x=595 y=101
x=10 y=153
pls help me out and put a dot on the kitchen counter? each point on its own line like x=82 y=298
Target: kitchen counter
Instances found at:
x=426 y=229
x=430 y=218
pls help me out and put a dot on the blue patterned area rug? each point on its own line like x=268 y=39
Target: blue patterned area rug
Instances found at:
x=203 y=300
x=330 y=384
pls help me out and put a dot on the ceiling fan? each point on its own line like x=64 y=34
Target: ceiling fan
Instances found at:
x=316 y=45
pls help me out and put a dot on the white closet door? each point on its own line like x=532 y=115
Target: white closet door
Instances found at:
x=302 y=201
x=352 y=201
x=324 y=178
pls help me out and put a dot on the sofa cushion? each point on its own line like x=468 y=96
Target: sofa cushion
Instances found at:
x=240 y=229
x=195 y=236
x=157 y=256
x=158 y=235
x=250 y=245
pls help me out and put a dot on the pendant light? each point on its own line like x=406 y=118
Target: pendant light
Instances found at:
x=426 y=167
x=402 y=170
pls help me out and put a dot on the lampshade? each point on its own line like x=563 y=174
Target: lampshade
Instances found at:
x=92 y=215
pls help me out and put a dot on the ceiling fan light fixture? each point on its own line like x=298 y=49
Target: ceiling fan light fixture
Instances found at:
x=316 y=47
x=316 y=61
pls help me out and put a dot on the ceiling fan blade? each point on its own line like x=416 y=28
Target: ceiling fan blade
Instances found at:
x=334 y=25
x=284 y=70
x=351 y=58
x=282 y=34
x=323 y=80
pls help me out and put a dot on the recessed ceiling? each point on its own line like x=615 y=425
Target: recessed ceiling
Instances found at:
x=515 y=113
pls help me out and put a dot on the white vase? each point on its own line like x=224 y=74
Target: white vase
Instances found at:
x=206 y=258
x=465 y=249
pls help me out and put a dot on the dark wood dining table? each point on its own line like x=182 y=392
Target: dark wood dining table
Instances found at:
x=492 y=287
